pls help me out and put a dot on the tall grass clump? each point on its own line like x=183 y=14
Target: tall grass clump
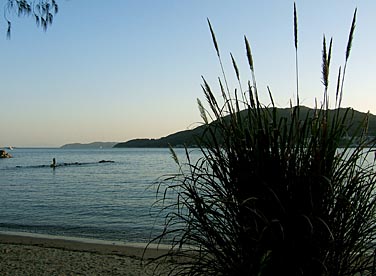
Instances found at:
x=273 y=194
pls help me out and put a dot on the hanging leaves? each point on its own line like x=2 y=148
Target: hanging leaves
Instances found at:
x=43 y=11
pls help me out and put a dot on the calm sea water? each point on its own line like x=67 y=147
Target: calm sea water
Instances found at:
x=82 y=197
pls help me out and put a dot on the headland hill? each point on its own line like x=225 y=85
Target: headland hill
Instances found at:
x=189 y=137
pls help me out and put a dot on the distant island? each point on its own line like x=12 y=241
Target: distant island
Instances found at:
x=94 y=145
x=189 y=138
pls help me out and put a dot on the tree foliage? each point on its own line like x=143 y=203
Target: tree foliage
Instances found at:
x=43 y=12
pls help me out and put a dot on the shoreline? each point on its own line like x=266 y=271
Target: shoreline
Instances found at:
x=134 y=250
x=35 y=254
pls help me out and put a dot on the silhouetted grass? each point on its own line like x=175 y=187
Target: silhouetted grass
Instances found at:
x=272 y=195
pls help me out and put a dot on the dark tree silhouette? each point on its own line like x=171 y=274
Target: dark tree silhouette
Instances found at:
x=43 y=11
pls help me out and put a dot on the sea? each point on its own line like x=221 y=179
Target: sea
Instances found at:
x=91 y=194
x=99 y=194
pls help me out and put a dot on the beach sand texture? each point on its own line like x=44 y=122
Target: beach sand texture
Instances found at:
x=20 y=255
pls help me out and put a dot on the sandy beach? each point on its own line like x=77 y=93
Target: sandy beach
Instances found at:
x=40 y=255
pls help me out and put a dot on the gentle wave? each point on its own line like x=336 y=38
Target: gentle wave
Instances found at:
x=63 y=165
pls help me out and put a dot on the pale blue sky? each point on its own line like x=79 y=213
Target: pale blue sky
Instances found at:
x=116 y=70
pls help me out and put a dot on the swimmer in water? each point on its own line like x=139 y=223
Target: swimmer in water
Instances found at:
x=53 y=165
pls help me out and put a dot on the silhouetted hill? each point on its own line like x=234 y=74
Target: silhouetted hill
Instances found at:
x=178 y=139
x=189 y=137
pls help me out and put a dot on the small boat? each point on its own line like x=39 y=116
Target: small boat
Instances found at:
x=4 y=154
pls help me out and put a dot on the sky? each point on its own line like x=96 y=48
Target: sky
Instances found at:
x=116 y=70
